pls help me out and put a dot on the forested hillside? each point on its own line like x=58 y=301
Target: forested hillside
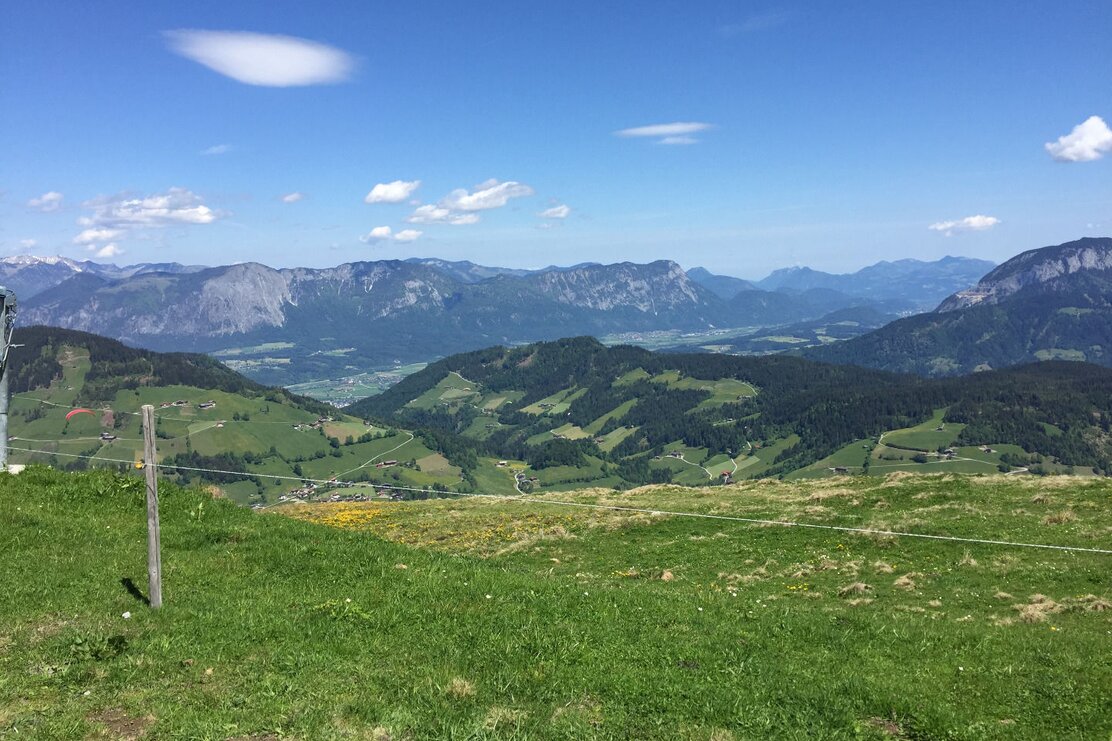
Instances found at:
x=577 y=403
x=115 y=366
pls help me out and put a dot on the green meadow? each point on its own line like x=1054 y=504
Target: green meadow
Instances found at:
x=509 y=618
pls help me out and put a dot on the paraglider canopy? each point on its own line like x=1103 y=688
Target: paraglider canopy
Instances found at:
x=78 y=411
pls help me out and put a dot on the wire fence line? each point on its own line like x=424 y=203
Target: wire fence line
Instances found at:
x=526 y=499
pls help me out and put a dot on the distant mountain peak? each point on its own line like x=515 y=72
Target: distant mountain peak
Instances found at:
x=1045 y=267
x=25 y=260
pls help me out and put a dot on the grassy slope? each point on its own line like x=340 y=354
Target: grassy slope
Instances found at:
x=512 y=619
x=270 y=425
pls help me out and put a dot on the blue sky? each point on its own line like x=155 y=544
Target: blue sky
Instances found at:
x=824 y=134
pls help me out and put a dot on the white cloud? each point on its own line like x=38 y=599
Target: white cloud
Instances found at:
x=1089 y=140
x=459 y=206
x=976 y=223
x=378 y=234
x=556 y=212
x=28 y=243
x=108 y=250
x=385 y=233
x=263 y=59
x=430 y=214
x=491 y=194
x=47 y=202
x=679 y=132
x=175 y=206
x=217 y=149
x=393 y=192
x=97 y=235
x=292 y=197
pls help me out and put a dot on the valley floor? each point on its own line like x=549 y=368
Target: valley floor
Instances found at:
x=517 y=618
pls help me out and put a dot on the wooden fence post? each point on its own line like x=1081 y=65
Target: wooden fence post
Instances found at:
x=154 y=548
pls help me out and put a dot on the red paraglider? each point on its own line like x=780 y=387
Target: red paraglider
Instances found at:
x=79 y=411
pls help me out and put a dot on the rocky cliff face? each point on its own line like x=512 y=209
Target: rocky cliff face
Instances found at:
x=654 y=288
x=244 y=297
x=1043 y=268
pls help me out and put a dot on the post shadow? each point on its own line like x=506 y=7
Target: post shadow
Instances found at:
x=133 y=590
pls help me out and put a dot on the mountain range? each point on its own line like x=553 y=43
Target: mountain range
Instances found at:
x=29 y=276
x=288 y=325
x=1050 y=303
x=904 y=284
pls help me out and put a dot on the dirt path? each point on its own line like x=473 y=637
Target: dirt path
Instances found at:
x=708 y=473
x=412 y=437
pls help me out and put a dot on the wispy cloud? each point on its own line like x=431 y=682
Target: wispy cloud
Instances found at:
x=488 y=195
x=386 y=234
x=47 y=202
x=217 y=149
x=263 y=59
x=396 y=191
x=1090 y=140
x=28 y=243
x=430 y=214
x=292 y=197
x=978 y=223
x=90 y=236
x=460 y=207
x=756 y=22
x=116 y=217
x=679 y=132
x=556 y=212
x=175 y=206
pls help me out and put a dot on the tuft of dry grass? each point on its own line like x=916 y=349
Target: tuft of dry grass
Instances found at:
x=1091 y=603
x=586 y=710
x=502 y=718
x=758 y=574
x=1003 y=595
x=856 y=587
x=886 y=727
x=822 y=494
x=967 y=559
x=460 y=688
x=1060 y=518
x=1038 y=609
x=882 y=568
x=905 y=581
